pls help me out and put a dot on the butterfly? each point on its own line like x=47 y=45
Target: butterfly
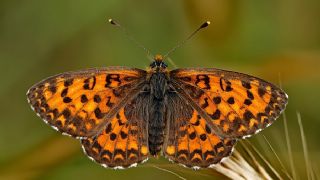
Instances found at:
x=122 y=115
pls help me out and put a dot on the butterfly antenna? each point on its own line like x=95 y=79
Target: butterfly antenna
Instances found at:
x=204 y=25
x=149 y=54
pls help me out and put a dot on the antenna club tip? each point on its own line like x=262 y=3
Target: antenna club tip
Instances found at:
x=204 y=25
x=111 y=21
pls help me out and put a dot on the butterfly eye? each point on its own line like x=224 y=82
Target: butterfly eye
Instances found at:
x=164 y=65
x=153 y=64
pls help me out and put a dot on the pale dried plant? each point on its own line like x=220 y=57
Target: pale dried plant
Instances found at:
x=241 y=166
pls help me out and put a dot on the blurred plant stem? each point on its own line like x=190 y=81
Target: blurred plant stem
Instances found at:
x=32 y=164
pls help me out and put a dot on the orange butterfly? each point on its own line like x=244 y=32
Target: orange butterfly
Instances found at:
x=194 y=116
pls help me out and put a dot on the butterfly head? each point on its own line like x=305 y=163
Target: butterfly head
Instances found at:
x=158 y=63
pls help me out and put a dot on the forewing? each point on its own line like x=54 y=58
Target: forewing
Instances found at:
x=236 y=104
x=124 y=140
x=190 y=140
x=79 y=103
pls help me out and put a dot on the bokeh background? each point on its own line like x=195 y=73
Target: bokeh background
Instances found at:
x=277 y=40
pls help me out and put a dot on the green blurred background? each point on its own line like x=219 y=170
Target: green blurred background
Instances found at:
x=275 y=40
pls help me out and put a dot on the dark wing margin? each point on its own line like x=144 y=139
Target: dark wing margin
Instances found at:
x=79 y=103
x=238 y=105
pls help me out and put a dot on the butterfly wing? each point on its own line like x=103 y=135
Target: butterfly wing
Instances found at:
x=234 y=104
x=124 y=140
x=190 y=140
x=79 y=103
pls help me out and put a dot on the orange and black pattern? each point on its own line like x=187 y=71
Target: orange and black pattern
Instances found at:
x=124 y=115
x=191 y=141
x=237 y=104
x=77 y=103
x=121 y=143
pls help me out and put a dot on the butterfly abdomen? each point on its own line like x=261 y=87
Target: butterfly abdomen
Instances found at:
x=158 y=84
x=156 y=127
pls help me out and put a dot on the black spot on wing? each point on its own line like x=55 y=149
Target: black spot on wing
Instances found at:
x=67 y=99
x=217 y=100
x=246 y=84
x=84 y=98
x=97 y=98
x=68 y=82
x=215 y=115
x=230 y=100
